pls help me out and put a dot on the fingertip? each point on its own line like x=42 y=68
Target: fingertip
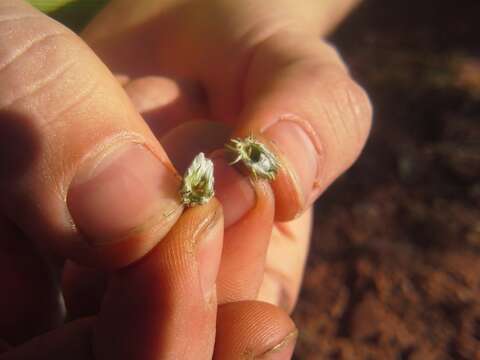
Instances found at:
x=123 y=200
x=234 y=190
x=192 y=137
x=310 y=112
x=255 y=330
x=291 y=139
x=299 y=156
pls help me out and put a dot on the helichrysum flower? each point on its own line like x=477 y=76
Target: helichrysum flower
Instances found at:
x=197 y=184
x=258 y=160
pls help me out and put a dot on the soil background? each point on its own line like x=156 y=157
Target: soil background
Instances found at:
x=394 y=270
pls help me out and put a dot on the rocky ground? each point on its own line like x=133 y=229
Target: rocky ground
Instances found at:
x=394 y=271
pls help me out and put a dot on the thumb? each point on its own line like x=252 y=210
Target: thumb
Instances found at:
x=80 y=171
x=302 y=103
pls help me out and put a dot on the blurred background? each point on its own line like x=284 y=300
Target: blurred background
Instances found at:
x=394 y=271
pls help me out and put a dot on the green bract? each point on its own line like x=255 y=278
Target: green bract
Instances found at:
x=197 y=184
x=259 y=161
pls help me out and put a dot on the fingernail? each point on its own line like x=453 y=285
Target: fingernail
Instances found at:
x=209 y=252
x=295 y=147
x=121 y=192
x=234 y=191
x=283 y=351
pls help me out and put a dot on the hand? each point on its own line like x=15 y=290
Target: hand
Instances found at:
x=244 y=259
x=247 y=65
x=70 y=142
x=262 y=70
x=164 y=306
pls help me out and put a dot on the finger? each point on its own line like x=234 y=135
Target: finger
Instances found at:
x=288 y=76
x=254 y=330
x=164 y=103
x=286 y=258
x=30 y=301
x=248 y=229
x=302 y=103
x=71 y=342
x=122 y=43
x=236 y=192
x=83 y=289
x=186 y=140
x=245 y=248
x=166 y=302
x=79 y=169
x=248 y=208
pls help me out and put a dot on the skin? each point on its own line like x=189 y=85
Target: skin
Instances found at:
x=175 y=294
x=75 y=130
x=267 y=52
x=272 y=58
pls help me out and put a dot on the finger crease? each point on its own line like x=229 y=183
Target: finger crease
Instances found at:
x=6 y=19
x=356 y=111
x=77 y=100
x=42 y=84
x=24 y=50
x=329 y=116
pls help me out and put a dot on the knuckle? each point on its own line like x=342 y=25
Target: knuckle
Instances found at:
x=20 y=29
x=352 y=108
x=29 y=38
x=34 y=67
x=333 y=77
x=360 y=107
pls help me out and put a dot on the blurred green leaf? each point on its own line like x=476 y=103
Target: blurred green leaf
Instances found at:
x=73 y=13
x=49 y=5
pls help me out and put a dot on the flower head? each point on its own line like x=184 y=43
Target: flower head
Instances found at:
x=259 y=161
x=197 y=183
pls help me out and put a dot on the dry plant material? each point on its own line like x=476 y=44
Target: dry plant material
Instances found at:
x=197 y=183
x=260 y=162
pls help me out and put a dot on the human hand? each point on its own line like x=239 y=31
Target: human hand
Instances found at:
x=70 y=142
x=62 y=110
x=164 y=306
x=263 y=71
x=261 y=260
x=247 y=65
x=47 y=227
x=247 y=272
